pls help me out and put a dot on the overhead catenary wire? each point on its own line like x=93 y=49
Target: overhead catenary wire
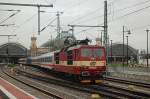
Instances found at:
x=48 y=25
x=83 y=17
x=133 y=12
x=9 y=10
x=27 y=20
x=7 y=25
x=76 y=4
x=137 y=4
x=88 y=14
x=118 y=10
x=130 y=13
x=10 y=16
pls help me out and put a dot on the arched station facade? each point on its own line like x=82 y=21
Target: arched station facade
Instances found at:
x=11 y=52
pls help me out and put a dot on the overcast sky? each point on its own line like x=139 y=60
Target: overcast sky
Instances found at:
x=133 y=14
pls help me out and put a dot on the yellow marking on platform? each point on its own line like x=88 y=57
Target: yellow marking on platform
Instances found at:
x=95 y=96
x=99 y=81
x=131 y=87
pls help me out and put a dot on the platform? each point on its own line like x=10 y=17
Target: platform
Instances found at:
x=10 y=91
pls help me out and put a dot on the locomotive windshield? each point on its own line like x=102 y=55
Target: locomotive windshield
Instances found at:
x=88 y=52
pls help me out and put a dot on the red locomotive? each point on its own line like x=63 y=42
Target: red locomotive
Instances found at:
x=84 y=62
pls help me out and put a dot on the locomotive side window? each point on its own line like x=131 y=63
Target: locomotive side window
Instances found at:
x=57 y=58
x=49 y=59
x=69 y=57
x=76 y=54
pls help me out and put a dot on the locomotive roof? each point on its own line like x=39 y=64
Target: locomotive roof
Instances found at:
x=79 y=46
x=70 y=48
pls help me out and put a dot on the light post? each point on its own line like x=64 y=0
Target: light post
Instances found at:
x=127 y=50
x=111 y=50
x=128 y=31
x=147 y=46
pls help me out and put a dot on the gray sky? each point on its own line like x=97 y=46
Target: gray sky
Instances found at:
x=84 y=12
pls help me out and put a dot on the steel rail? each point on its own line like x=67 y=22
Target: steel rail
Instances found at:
x=141 y=84
x=32 y=86
x=110 y=91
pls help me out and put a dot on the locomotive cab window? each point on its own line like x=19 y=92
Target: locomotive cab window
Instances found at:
x=98 y=52
x=88 y=52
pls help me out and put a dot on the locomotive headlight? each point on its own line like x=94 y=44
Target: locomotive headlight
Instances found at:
x=85 y=73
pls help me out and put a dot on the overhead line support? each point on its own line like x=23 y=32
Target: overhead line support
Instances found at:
x=30 y=5
x=85 y=25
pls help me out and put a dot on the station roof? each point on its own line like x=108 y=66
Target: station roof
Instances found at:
x=117 y=50
x=12 y=49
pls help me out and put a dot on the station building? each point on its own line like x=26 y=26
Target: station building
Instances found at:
x=115 y=53
x=11 y=52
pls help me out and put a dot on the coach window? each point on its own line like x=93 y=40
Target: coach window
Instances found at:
x=46 y=59
x=50 y=59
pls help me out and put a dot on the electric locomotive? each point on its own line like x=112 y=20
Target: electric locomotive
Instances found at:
x=86 y=63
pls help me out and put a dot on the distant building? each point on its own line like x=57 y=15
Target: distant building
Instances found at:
x=143 y=57
x=33 y=47
x=98 y=41
x=117 y=53
x=34 y=50
x=11 y=52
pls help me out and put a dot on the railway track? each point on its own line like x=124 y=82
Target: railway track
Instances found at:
x=47 y=87
x=146 y=85
x=51 y=95
x=103 y=90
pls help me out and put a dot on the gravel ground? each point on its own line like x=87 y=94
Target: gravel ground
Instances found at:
x=140 y=74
